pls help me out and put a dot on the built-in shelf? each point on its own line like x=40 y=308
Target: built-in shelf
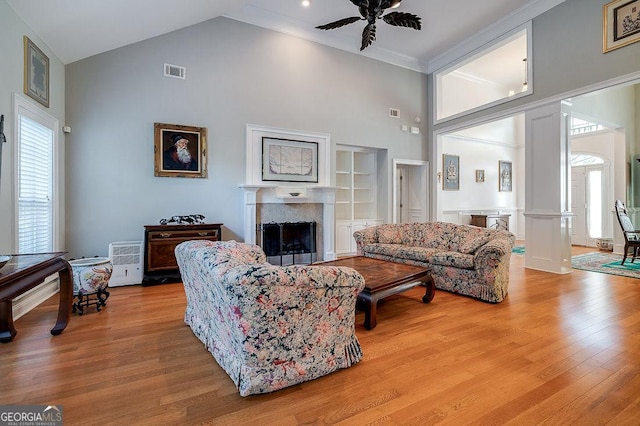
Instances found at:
x=356 y=203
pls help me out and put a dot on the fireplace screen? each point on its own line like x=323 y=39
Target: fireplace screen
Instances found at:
x=288 y=243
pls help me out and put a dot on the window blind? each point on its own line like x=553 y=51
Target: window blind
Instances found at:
x=35 y=187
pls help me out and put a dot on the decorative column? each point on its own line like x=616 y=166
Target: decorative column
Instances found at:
x=250 y=199
x=547 y=205
x=327 y=195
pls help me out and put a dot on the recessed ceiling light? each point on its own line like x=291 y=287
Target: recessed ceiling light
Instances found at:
x=306 y=3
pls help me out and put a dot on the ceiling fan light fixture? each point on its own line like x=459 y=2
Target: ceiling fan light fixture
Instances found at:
x=372 y=12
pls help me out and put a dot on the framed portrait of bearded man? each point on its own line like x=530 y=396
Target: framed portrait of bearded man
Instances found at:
x=180 y=151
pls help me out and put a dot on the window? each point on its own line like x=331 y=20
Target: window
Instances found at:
x=36 y=137
x=488 y=77
x=580 y=127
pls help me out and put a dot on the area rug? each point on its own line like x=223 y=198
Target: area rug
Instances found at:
x=519 y=250
x=606 y=263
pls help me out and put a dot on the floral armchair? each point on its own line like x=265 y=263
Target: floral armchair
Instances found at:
x=268 y=326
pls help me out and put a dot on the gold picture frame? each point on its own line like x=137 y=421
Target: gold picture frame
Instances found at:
x=620 y=24
x=36 y=72
x=180 y=151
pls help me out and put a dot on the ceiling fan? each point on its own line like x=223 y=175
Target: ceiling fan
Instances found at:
x=372 y=10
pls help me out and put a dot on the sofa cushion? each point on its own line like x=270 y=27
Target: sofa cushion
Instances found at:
x=401 y=251
x=393 y=234
x=470 y=245
x=452 y=258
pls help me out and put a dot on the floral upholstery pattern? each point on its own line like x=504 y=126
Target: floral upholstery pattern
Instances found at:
x=268 y=326
x=464 y=259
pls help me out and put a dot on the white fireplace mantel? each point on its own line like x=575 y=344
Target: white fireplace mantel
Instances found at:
x=263 y=194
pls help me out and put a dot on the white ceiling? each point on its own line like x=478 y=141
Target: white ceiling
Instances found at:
x=76 y=29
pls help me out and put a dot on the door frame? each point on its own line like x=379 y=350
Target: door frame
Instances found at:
x=423 y=168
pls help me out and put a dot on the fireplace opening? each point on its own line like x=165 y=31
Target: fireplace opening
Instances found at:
x=288 y=243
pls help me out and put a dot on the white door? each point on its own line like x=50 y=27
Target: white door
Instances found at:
x=410 y=191
x=579 y=205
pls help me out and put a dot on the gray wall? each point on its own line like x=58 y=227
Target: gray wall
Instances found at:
x=236 y=74
x=12 y=30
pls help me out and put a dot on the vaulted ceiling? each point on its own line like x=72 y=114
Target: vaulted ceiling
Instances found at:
x=76 y=29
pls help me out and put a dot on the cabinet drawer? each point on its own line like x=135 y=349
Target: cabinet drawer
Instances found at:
x=193 y=234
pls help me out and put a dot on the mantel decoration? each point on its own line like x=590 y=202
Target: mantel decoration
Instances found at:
x=289 y=160
x=505 y=175
x=191 y=219
x=180 y=151
x=451 y=172
x=36 y=73
x=620 y=24
x=371 y=11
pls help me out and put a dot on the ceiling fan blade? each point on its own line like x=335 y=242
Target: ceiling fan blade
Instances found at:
x=362 y=6
x=403 y=19
x=339 y=23
x=368 y=35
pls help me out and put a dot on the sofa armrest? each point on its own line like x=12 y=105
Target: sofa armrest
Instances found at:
x=493 y=256
x=364 y=237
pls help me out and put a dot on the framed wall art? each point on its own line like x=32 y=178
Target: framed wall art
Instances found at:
x=620 y=24
x=451 y=172
x=180 y=151
x=505 y=173
x=288 y=160
x=36 y=73
x=480 y=175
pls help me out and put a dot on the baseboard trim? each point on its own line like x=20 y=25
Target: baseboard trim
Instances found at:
x=29 y=300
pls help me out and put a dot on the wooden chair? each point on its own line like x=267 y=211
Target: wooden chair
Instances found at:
x=631 y=235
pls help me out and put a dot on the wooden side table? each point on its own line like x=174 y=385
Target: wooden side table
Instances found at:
x=26 y=271
x=160 y=241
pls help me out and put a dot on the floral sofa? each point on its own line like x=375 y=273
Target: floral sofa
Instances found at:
x=464 y=259
x=267 y=326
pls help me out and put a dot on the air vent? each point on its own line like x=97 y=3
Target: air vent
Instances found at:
x=394 y=113
x=175 y=71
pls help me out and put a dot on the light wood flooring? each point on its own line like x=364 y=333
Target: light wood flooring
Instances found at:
x=560 y=350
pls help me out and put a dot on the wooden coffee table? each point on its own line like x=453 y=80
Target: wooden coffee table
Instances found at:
x=382 y=279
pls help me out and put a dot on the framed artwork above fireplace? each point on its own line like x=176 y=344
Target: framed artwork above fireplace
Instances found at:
x=289 y=160
x=283 y=157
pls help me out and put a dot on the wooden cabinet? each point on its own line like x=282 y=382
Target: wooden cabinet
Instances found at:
x=495 y=221
x=160 y=241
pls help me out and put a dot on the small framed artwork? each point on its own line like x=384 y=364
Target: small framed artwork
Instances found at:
x=620 y=24
x=36 y=73
x=180 y=151
x=289 y=160
x=505 y=173
x=451 y=167
x=480 y=175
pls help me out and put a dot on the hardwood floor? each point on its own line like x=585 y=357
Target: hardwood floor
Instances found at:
x=561 y=349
